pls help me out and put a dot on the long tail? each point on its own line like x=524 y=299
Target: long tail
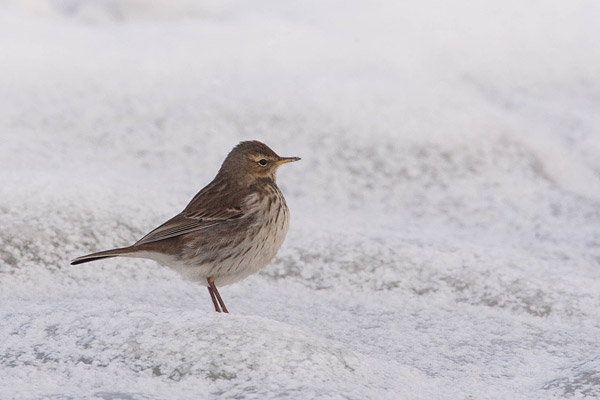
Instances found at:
x=102 y=254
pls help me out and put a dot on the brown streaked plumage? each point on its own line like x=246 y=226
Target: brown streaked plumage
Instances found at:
x=231 y=229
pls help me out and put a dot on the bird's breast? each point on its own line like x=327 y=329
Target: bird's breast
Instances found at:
x=246 y=247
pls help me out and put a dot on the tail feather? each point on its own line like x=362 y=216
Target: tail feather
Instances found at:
x=101 y=255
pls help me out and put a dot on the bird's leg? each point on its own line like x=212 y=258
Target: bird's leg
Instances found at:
x=220 y=300
x=212 y=296
x=213 y=287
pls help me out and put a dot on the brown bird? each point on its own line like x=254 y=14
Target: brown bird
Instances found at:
x=231 y=229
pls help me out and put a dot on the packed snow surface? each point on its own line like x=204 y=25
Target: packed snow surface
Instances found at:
x=445 y=231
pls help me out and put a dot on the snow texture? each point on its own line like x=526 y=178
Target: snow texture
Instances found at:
x=445 y=232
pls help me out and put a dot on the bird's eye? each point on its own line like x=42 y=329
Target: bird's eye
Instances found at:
x=262 y=162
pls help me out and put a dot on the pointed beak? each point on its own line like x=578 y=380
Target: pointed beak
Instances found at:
x=285 y=160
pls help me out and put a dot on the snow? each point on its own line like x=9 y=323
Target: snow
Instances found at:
x=445 y=231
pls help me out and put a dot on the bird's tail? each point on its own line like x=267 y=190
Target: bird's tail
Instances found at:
x=124 y=251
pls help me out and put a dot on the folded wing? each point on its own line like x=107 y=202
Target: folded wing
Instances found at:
x=199 y=215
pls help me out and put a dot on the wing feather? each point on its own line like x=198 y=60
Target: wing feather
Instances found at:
x=207 y=209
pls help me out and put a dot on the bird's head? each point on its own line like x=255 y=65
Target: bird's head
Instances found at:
x=252 y=160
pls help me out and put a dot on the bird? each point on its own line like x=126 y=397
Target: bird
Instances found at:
x=231 y=229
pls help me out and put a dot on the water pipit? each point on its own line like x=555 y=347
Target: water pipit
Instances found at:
x=231 y=229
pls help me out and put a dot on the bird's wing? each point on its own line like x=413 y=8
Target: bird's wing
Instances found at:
x=198 y=215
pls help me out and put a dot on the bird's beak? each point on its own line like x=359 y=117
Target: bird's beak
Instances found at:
x=285 y=160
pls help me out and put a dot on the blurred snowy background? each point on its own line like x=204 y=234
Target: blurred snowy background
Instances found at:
x=445 y=233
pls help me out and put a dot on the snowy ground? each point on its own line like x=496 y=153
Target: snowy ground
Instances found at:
x=445 y=233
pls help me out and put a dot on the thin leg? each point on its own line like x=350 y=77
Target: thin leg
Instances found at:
x=212 y=296
x=213 y=287
x=220 y=300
